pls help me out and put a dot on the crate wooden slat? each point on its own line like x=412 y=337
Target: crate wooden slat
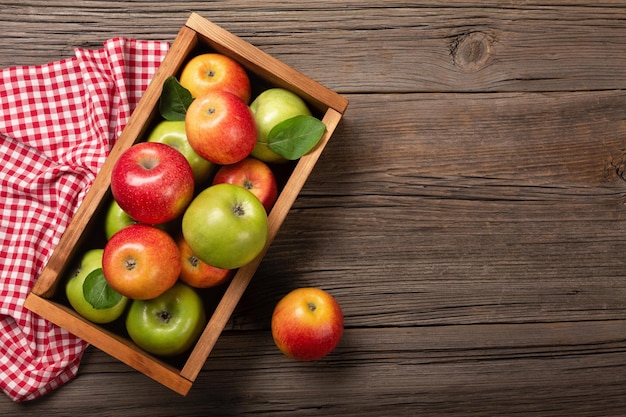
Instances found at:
x=43 y=300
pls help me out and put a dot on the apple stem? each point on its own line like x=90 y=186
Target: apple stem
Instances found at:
x=149 y=164
x=248 y=185
x=130 y=264
x=238 y=210
x=164 y=316
x=312 y=306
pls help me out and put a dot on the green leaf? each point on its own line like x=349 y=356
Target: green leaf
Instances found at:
x=294 y=137
x=175 y=100
x=98 y=292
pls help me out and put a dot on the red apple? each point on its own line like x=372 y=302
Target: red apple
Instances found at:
x=253 y=175
x=307 y=324
x=141 y=262
x=213 y=71
x=220 y=127
x=197 y=273
x=152 y=182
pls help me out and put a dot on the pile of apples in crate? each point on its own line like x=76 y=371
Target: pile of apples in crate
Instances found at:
x=190 y=206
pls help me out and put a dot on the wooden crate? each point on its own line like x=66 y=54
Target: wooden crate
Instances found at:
x=197 y=35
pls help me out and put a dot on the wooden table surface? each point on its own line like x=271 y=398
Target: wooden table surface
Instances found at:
x=468 y=214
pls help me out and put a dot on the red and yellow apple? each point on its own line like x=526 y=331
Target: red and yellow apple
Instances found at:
x=195 y=272
x=152 y=182
x=220 y=127
x=213 y=71
x=141 y=262
x=253 y=175
x=307 y=324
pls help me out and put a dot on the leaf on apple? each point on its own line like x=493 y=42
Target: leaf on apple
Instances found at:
x=175 y=100
x=295 y=137
x=98 y=292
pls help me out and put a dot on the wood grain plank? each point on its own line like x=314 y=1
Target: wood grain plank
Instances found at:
x=439 y=144
x=367 y=46
x=535 y=370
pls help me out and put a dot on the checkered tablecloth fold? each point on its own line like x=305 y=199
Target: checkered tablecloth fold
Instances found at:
x=58 y=122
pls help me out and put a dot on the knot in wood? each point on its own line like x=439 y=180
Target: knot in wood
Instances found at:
x=620 y=167
x=471 y=51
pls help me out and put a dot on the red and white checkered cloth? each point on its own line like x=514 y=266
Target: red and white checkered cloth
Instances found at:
x=58 y=122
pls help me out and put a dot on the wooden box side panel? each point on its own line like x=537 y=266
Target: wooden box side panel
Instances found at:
x=86 y=220
x=329 y=103
x=266 y=66
x=137 y=123
x=244 y=275
x=109 y=342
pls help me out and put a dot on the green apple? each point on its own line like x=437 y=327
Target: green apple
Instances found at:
x=172 y=133
x=169 y=324
x=270 y=108
x=225 y=226
x=91 y=262
x=116 y=219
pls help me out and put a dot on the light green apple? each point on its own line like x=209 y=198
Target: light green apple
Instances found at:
x=173 y=133
x=91 y=262
x=169 y=324
x=116 y=219
x=270 y=108
x=225 y=226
